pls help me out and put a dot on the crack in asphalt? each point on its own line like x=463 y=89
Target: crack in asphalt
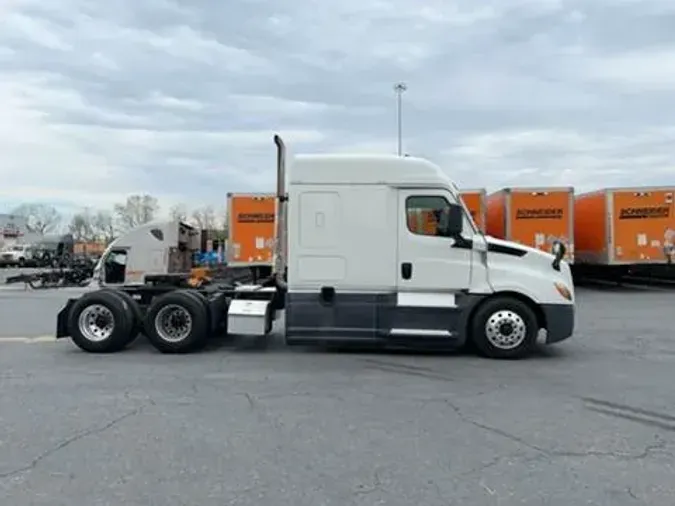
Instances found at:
x=659 y=420
x=659 y=445
x=68 y=441
x=375 y=486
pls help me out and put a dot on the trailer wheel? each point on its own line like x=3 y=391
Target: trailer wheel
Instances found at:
x=100 y=322
x=177 y=322
x=504 y=328
x=136 y=315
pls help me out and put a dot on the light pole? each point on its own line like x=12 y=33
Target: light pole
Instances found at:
x=399 y=88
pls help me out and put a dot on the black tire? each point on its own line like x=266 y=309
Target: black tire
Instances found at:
x=201 y=296
x=122 y=321
x=197 y=295
x=22 y=262
x=196 y=332
x=136 y=313
x=520 y=328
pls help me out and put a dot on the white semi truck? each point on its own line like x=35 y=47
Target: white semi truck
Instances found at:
x=350 y=266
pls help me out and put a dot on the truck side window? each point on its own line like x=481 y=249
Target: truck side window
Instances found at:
x=423 y=213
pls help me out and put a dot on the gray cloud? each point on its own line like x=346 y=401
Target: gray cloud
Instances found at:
x=101 y=99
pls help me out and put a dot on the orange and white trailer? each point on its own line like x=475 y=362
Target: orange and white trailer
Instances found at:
x=251 y=229
x=535 y=217
x=476 y=202
x=625 y=226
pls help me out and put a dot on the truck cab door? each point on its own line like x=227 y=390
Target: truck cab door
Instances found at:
x=114 y=266
x=433 y=270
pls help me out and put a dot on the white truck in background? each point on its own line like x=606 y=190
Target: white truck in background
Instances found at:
x=16 y=255
x=356 y=270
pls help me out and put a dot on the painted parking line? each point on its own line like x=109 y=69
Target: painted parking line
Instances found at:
x=28 y=339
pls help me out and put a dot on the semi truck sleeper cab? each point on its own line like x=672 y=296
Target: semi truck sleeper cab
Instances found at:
x=369 y=249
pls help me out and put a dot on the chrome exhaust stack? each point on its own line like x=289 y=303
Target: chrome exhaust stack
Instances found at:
x=280 y=245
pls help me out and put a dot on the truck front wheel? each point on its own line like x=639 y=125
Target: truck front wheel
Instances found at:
x=100 y=322
x=177 y=322
x=504 y=328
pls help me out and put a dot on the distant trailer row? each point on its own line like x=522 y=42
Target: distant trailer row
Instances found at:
x=609 y=227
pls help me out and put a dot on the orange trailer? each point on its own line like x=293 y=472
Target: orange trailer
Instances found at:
x=625 y=226
x=533 y=216
x=475 y=201
x=251 y=229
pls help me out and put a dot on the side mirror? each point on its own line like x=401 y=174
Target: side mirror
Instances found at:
x=451 y=222
x=558 y=249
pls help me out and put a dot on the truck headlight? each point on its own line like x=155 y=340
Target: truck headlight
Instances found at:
x=563 y=290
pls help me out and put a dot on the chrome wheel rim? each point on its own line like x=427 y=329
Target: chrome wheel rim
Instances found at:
x=173 y=323
x=505 y=330
x=96 y=323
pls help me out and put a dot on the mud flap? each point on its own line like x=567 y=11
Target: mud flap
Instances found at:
x=62 y=320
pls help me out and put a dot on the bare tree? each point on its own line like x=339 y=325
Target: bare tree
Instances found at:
x=82 y=226
x=221 y=219
x=104 y=226
x=204 y=218
x=178 y=212
x=221 y=223
x=41 y=218
x=137 y=210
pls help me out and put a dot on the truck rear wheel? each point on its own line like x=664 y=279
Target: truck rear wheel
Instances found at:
x=135 y=313
x=198 y=296
x=101 y=322
x=177 y=322
x=504 y=328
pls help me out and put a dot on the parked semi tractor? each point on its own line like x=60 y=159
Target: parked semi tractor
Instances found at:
x=536 y=217
x=347 y=268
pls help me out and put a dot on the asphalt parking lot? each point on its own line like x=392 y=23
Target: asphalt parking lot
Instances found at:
x=589 y=421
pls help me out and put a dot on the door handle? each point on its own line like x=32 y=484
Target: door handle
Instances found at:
x=406 y=270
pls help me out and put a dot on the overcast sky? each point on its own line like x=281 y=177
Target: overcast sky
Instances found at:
x=100 y=99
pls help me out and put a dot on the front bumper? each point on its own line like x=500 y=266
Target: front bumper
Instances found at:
x=559 y=321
